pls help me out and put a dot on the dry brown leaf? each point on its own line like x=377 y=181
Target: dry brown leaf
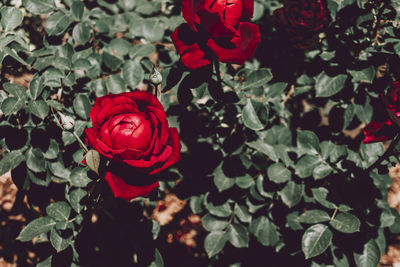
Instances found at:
x=167 y=208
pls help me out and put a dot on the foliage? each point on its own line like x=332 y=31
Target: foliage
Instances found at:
x=270 y=178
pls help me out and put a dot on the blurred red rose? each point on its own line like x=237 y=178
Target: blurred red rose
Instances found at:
x=386 y=127
x=301 y=20
x=132 y=129
x=219 y=27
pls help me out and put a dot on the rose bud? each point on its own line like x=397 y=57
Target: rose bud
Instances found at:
x=66 y=122
x=155 y=76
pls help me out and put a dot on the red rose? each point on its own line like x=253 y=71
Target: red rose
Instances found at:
x=301 y=19
x=132 y=129
x=216 y=26
x=386 y=127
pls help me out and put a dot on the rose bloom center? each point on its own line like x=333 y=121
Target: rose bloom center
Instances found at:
x=127 y=131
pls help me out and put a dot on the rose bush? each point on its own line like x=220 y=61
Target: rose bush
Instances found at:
x=385 y=125
x=132 y=128
x=216 y=27
x=301 y=20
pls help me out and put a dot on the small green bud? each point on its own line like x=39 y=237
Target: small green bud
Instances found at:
x=155 y=76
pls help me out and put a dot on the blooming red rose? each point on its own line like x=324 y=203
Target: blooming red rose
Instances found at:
x=216 y=27
x=302 y=19
x=387 y=126
x=132 y=129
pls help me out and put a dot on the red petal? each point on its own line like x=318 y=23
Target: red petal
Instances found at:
x=245 y=44
x=378 y=131
x=229 y=11
x=176 y=150
x=191 y=54
x=145 y=98
x=248 y=9
x=126 y=191
x=189 y=12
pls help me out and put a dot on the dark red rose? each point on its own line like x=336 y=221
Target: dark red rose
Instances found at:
x=302 y=19
x=216 y=27
x=132 y=129
x=386 y=127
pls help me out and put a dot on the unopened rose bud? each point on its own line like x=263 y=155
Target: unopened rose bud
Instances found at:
x=155 y=76
x=66 y=122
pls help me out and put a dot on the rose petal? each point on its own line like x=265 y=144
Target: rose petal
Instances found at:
x=191 y=54
x=378 y=131
x=175 y=144
x=144 y=98
x=125 y=191
x=245 y=45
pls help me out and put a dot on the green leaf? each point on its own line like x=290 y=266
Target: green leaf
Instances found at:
x=320 y=195
x=316 y=240
x=238 y=235
x=52 y=151
x=244 y=181
x=11 y=18
x=258 y=78
x=307 y=141
x=346 y=223
x=93 y=160
x=365 y=75
x=265 y=231
x=15 y=103
x=46 y=262
x=111 y=61
x=81 y=33
x=292 y=193
x=59 y=210
x=77 y=9
x=196 y=204
x=75 y=197
x=57 y=23
x=215 y=242
x=115 y=84
x=35 y=160
x=39 y=108
x=221 y=181
x=364 y=113
x=120 y=46
x=241 y=212
x=158 y=260
x=132 y=73
x=153 y=30
x=321 y=170
x=11 y=105
x=142 y=50
x=38 y=7
x=59 y=243
x=36 y=227
x=82 y=106
x=305 y=166
x=36 y=87
x=79 y=177
x=314 y=216
x=264 y=148
x=370 y=255
x=250 y=117
x=212 y=223
x=327 y=86
x=223 y=210
x=10 y=161
x=278 y=173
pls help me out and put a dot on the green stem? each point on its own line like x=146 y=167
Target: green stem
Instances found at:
x=83 y=146
x=386 y=154
x=334 y=214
